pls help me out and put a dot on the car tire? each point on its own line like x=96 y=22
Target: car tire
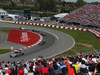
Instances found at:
x=10 y=56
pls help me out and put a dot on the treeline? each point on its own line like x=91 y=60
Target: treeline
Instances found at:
x=45 y=5
x=11 y=7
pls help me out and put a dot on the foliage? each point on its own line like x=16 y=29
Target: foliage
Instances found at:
x=63 y=3
x=47 y=5
x=80 y=3
x=22 y=1
x=2 y=51
x=5 y=30
x=95 y=3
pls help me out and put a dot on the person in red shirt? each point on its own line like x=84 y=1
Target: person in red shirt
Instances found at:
x=20 y=71
x=70 y=70
x=8 y=71
x=44 y=70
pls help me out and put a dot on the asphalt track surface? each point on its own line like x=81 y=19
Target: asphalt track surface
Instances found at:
x=56 y=42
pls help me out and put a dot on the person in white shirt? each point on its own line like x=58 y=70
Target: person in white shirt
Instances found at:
x=25 y=69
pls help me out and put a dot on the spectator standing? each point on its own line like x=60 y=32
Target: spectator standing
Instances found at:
x=64 y=71
x=70 y=70
x=1 y=71
x=76 y=66
x=14 y=71
x=44 y=69
x=25 y=69
x=20 y=71
x=83 y=70
x=30 y=71
x=56 y=71
x=98 y=69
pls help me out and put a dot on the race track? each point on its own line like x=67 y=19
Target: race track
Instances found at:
x=56 y=42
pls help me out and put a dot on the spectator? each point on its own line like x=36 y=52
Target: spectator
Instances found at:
x=64 y=71
x=20 y=71
x=44 y=69
x=70 y=70
x=25 y=69
x=14 y=71
x=83 y=71
x=76 y=66
x=98 y=69
x=1 y=71
x=30 y=71
x=56 y=71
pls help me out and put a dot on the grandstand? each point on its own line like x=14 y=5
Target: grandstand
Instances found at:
x=86 y=15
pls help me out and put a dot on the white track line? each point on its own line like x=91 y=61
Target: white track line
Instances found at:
x=50 y=33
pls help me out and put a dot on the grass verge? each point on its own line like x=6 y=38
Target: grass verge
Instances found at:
x=85 y=41
x=5 y=30
x=3 y=51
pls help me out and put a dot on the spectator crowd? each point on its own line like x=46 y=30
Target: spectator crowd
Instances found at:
x=88 y=15
x=80 y=64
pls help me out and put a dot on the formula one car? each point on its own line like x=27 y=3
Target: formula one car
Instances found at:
x=42 y=43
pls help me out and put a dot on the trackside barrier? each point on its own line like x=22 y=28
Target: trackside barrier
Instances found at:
x=96 y=33
x=55 y=26
x=63 y=27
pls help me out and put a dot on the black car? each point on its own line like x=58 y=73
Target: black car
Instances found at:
x=42 y=43
x=41 y=33
x=35 y=31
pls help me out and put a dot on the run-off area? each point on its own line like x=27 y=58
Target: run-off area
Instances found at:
x=23 y=37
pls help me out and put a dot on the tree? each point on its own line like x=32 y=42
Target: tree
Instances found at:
x=47 y=5
x=12 y=3
x=22 y=1
x=80 y=3
x=63 y=3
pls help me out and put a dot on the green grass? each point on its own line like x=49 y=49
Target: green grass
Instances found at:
x=3 y=51
x=83 y=37
x=80 y=37
x=5 y=30
x=77 y=49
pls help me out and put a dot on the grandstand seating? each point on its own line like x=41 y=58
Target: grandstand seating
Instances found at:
x=87 y=15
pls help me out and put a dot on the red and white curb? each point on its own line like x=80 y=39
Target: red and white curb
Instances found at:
x=55 y=26
x=41 y=38
x=63 y=27
x=96 y=33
